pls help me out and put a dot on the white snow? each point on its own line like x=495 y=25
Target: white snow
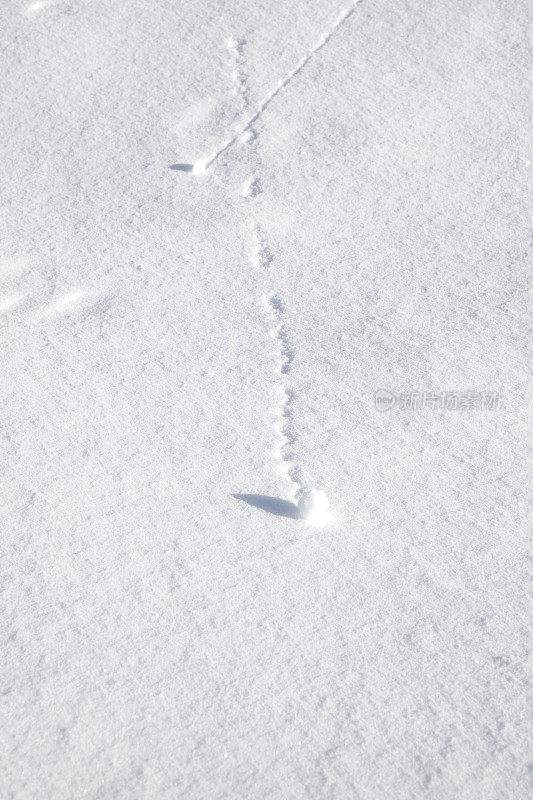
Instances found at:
x=11 y=301
x=313 y=506
x=225 y=227
x=199 y=167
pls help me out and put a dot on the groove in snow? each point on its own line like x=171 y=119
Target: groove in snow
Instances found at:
x=240 y=84
x=312 y=504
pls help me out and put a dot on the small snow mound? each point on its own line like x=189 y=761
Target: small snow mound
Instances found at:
x=199 y=168
x=10 y=302
x=246 y=187
x=39 y=5
x=313 y=506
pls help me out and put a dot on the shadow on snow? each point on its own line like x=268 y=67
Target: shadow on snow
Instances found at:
x=273 y=505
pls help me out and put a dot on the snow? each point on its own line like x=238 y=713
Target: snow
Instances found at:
x=225 y=228
x=313 y=506
x=199 y=167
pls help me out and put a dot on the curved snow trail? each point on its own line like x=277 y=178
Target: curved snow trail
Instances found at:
x=283 y=452
x=240 y=78
x=261 y=258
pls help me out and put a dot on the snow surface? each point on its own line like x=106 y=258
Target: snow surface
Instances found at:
x=225 y=226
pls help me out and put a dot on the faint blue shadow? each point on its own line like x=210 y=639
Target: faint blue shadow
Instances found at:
x=274 y=505
x=182 y=167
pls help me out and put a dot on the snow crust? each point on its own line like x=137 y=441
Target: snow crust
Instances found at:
x=225 y=227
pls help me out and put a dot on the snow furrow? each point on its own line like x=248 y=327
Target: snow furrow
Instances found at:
x=239 y=78
x=284 y=427
x=261 y=259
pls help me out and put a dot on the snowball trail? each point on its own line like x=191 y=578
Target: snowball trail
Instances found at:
x=259 y=537
x=312 y=505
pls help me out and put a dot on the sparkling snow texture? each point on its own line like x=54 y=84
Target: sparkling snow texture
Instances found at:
x=226 y=226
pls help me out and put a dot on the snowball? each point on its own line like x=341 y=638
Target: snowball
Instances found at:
x=199 y=168
x=313 y=506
